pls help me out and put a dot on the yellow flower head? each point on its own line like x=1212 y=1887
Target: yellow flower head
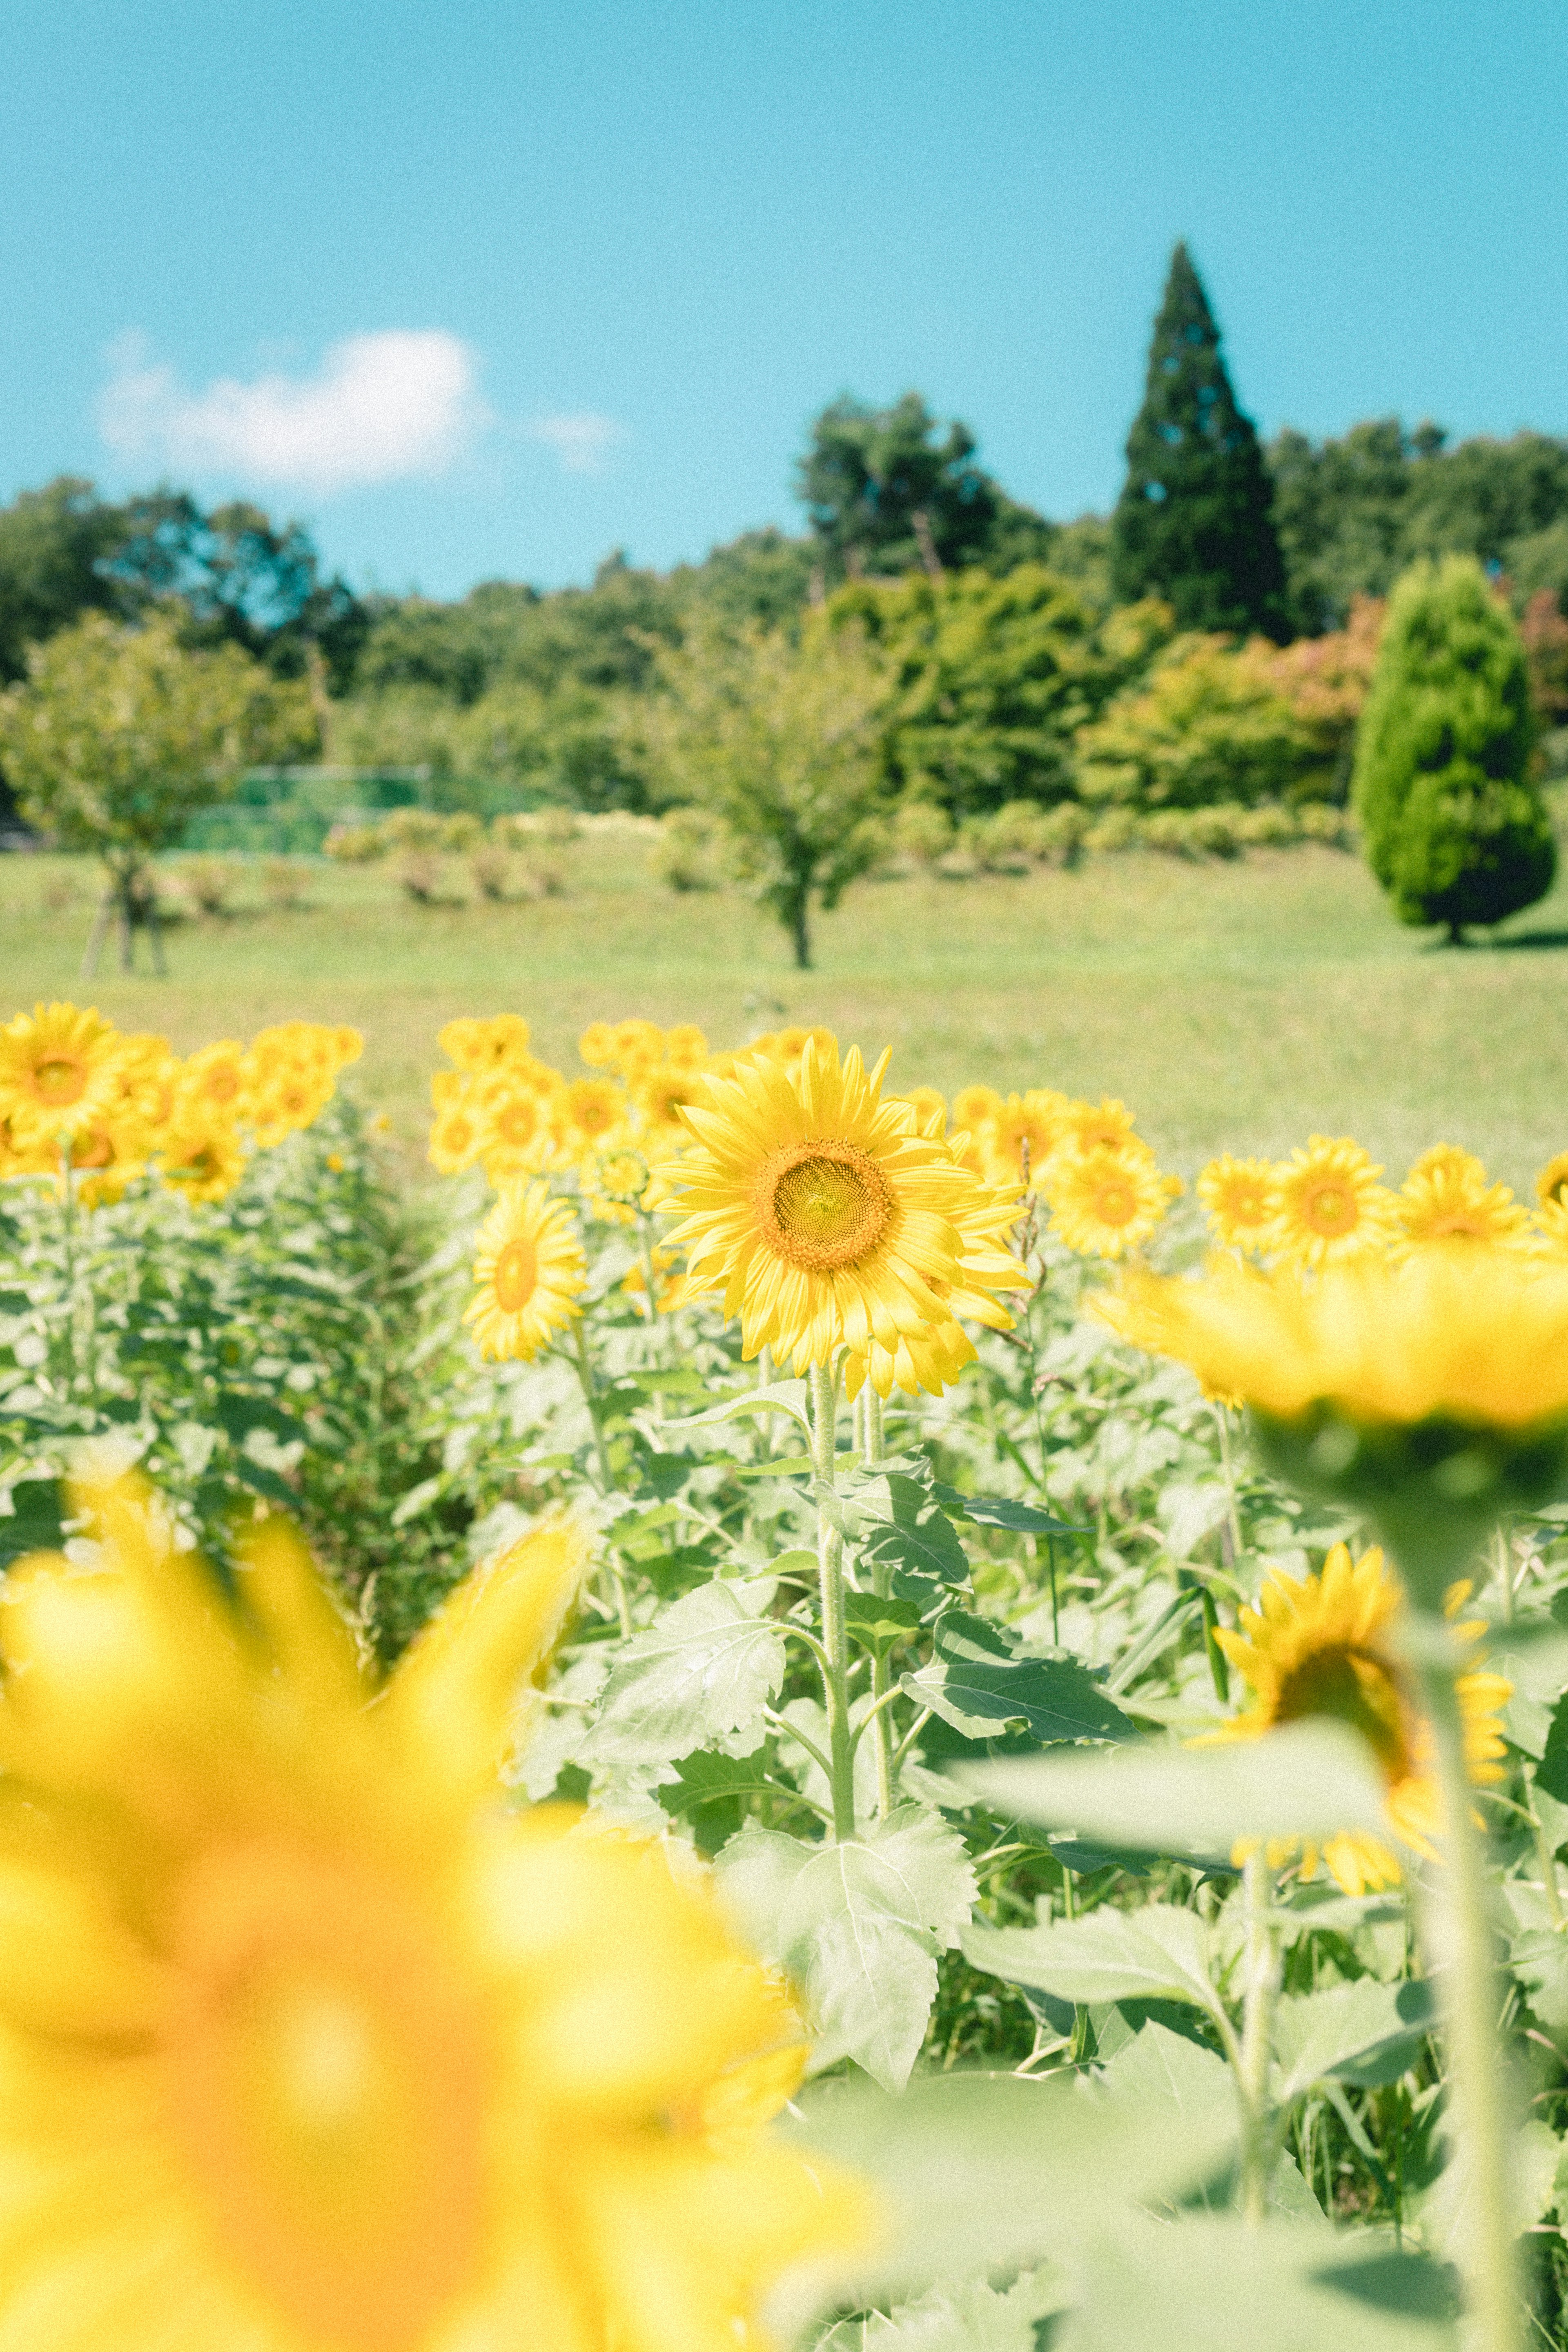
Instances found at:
x=591 y=1109
x=684 y=1046
x=515 y=1125
x=1106 y=1125
x=482 y=1048
x=665 y=1092
x=933 y=1357
x=821 y=1210
x=457 y=1134
x=57 y=1071
x=1446 y=1197
x=1024 y=1133
x=976 y=1106
x=203 y=1160
x=212 y=1081
x=1325 y=1648
x=1552 y=1184
x=1241 y=1200
x=1332 y=1206
x=1480 y=1335
x=311 y=2045
x=615 y=1181
x=928 y=1105
x=1106 y=1203
x=529 y=1269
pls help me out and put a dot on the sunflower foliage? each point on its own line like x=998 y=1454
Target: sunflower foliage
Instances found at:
x=1069 y=1765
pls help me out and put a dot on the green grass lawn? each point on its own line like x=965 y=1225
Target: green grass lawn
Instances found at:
x=1234 y=1007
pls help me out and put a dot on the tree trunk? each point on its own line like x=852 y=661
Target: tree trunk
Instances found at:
x=1455 y=935
x=99 y=926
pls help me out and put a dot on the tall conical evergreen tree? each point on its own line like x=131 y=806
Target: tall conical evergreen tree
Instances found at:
x=1194 y=523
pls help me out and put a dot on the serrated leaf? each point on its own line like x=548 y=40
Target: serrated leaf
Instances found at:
x=1189 y=1511
x=1002 y=1511
x=979 y=1680
x=856 y=1925
x=1364 y=2034
x=1307 y=1779
x=1157 y=1953
x=703 y=1672
x=877 y=1624
x=971 y=2317
x=1552 y=1772
x=1539 y=1958
x=781 y=1396
x=904 y=1530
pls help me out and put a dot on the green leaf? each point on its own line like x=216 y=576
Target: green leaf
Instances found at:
x=33 y=1521
x=1307 y=1779
x=1157 y=1953
x=971 y=2317
x=1552 y=1772
x=980 y=1681
x=783 y=1396
x=856 y=1925
x=876 y=1624
x=1001 y=1511
x=1364 y=2033
x=709 y=1790
x=702 y=1673
x=263 y=1481
x=903 y=1529
x=1539 y=1958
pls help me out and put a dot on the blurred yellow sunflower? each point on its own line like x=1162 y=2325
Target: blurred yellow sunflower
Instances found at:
x=481 y=1047
x=312 y=2044
x=1106 y=1203
x=1025 y=1132
x=1104 y=1126
x=819 y=1209
x=515 y=1126
x=204 y=1161
x=1332 y=1206
x=591 y=1109
x=1446 y=1197
x=213 y=1080
x=1477 y=1335
x=58 y=1070
x=1327 y=1647
x=456 y=1136
x=976 y=1106
x=1241 y=1200
x=528 y=1270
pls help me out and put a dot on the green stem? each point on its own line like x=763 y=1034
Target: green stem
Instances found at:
x=1260 y=1963
x=1459 y=1939
x=67 y=1154
x=872 y=1439
x=831 y=1569
x=590 y=1399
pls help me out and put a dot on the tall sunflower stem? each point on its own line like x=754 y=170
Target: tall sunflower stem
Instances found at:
x=831 y=1569
x=68 y=1157
x=871 y=1450
x=1458 y=1933
x=585 y=1371
x=1260 y=1992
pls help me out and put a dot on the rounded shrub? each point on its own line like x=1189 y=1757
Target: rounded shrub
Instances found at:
x=1453 y=827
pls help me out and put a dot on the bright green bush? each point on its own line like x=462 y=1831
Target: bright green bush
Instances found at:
x=1455 y=830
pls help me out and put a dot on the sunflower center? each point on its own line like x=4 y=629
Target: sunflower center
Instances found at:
x=516 y=1124
x=59 y=1080
x=824 y=1205
x=324 y=2085
x=1329 y=1209
x=221 y=1084
x=1248 y=1208
x=94 y=1150
x=1350 y=1686
x=516 y=1276
x=1115 y=1201
x=1458 y=1224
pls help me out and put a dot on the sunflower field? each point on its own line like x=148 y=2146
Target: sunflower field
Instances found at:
x=778 y=1713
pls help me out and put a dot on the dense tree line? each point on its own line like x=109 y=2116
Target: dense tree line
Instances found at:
x=1008 y=634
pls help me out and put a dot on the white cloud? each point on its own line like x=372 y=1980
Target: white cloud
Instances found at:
x=380 y=408
x=581 y=443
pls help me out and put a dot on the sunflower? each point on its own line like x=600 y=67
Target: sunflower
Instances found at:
x=204 y=1161
x=928 y=1105
x=1106 y=1203
x=516 y=1129
x=1478 y=1336
x=1328 y=1648
x=1332 y=1206
x=314 y=2046
x=976 y=1106
x=933 y=1358
x=1552 y=1184
x=1022 y=1134
x=615 y=1181
x=820 y=1211
x=529 y=1270
x=1105 y=1126
x=456 y=1136
x=214 y=1079
x=665 y=1092
x=1446 y=1197
x=596 y=1046
x=591 y=1109
x=482 y=1048
x=1241 y=1200
x=57 y=1071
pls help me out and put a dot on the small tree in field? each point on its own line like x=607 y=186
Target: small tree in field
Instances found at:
x=782 y=743
x=117 y=736
x=1455 y=831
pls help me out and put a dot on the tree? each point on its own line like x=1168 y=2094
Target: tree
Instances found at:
x=1325 y=680
x=117 y=736
x=992 y=679
x=1195 y=524
x=1208 y=724
x=53 y=544
x=885 y=495
x=1454 y=829
x=781 y=743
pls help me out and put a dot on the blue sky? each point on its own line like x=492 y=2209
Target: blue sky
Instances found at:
x=487 y=288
